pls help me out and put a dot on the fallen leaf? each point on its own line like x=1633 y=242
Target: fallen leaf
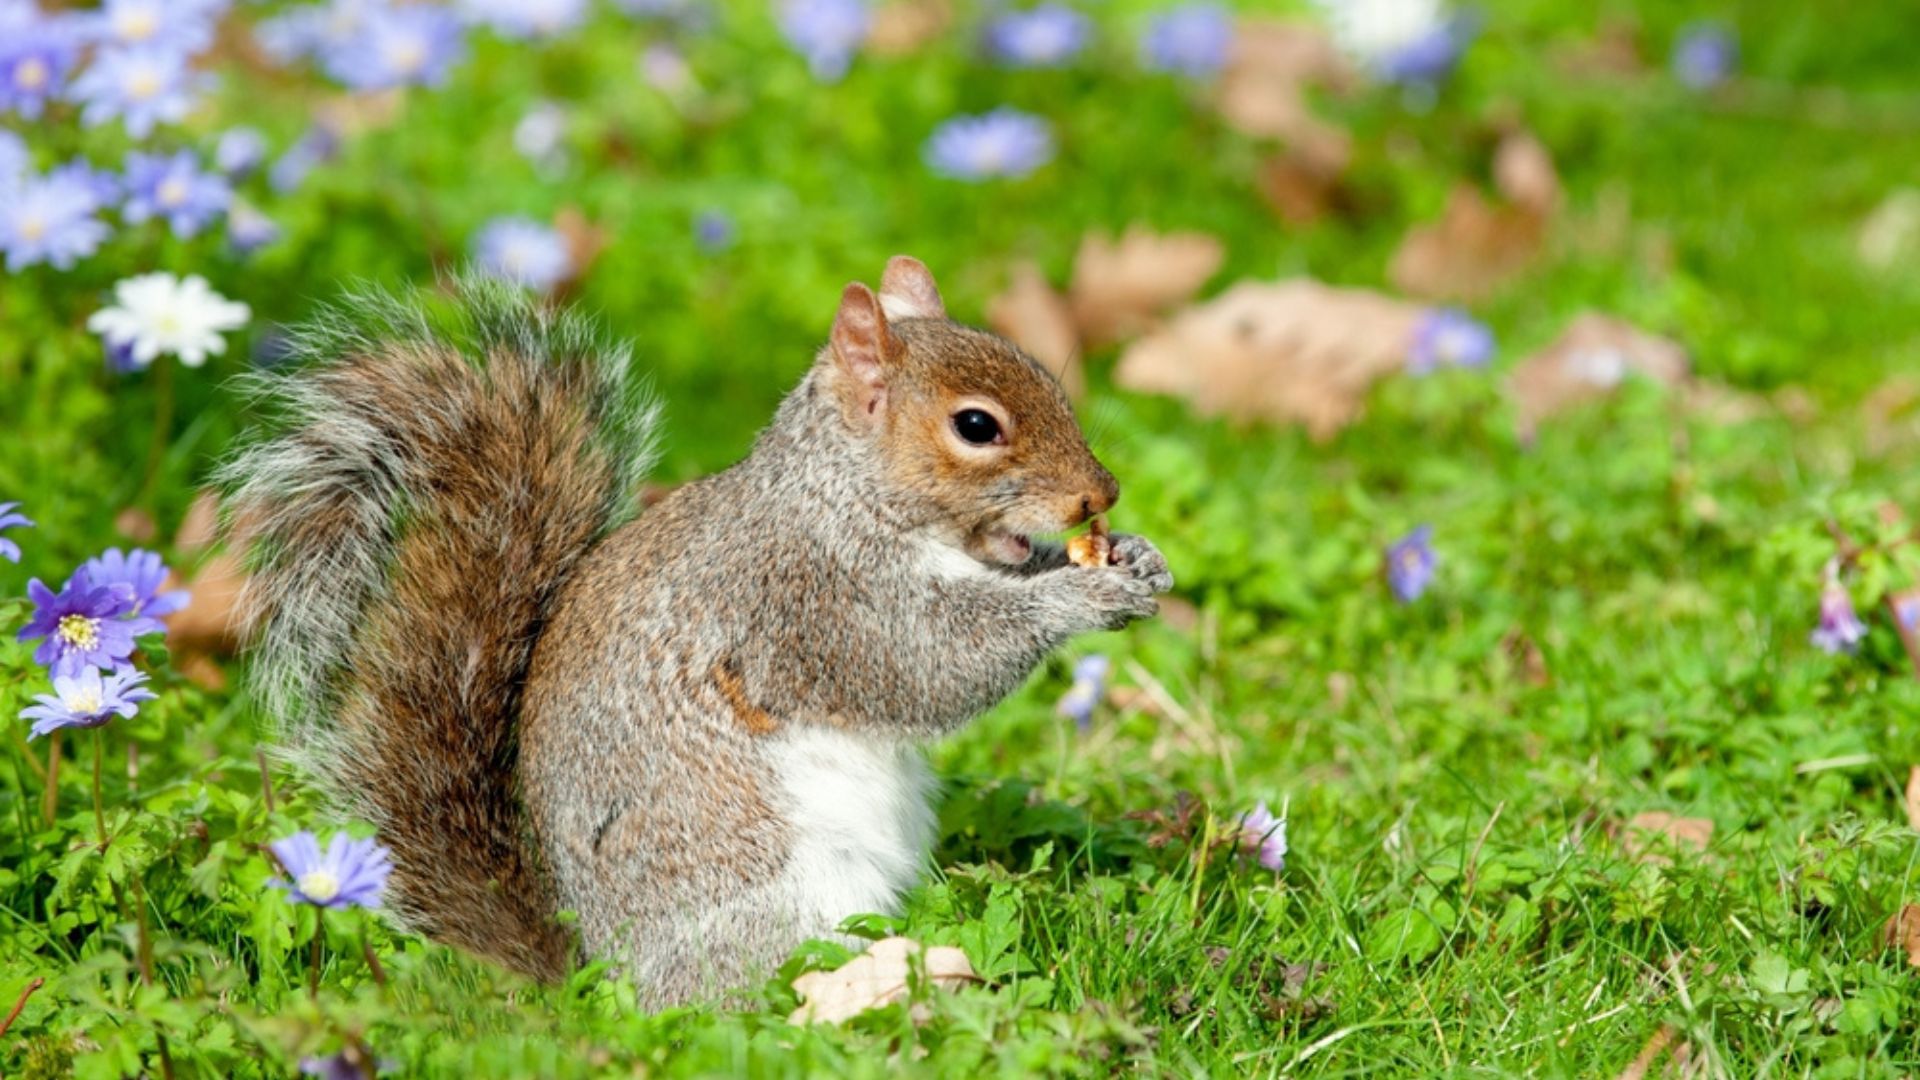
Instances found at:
x=1913 y=798
x=207 y=623
x=1263 y=88
x=1892 y=230
x=1120 y=289
x=1527 y=662
x=135 y=524
x=585 y=241
x=876 y=978
x=1290 y=351
x=1645 y=833
x=201 y=527
x=1655 y=1047
x=1032 y=315
x=1524 y=173
x=1301 y=189
x=1903 y=932
x=1589 y=360
x=901 y=28
x=1475 y=247
x=1614 y=50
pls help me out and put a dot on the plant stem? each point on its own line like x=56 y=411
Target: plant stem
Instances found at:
x=162 y=426
x=313 y=965
x=373 y=961
x=50 y=798
x=99 y=806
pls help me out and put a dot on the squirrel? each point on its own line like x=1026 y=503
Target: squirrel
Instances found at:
x=698 y=728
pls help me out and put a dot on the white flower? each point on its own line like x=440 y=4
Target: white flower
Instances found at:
x=1375 y=31
x=160 y=313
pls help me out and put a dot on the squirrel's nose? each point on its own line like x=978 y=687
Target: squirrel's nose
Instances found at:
x=1106 y=492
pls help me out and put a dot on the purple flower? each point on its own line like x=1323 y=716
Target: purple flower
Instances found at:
x=175 y=189
x=523 y=251
x=1089 y=686
x=183 y=26
x=350 y=873
x=87 y=699
x=100 y=186
x=313 y=31
x=1427 y=60
x=15 y=159
x=36 y=56
x=541 y=135
x=1840 y=630
x=11 y=518
x=523 y=19
x=239 y=152
x=1192 y=40
x=1449 y=337
x=1004 y=142
x=1704 y=56
x=713 y=231
x=138 y=575
x=1045 y=36
x=1264 y=836
x=1410 y=564
x=827 y=32
x=46 y=220
x=316 y=147
x=336 y=1067
x=84 y=624
x=403 y=46
x=249 y=230
x=663 y=68
x=142 y=86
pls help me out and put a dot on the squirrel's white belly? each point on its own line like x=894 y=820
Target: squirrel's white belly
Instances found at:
x=861 y=811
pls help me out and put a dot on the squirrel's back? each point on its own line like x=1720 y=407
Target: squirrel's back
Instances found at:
x=427 y=484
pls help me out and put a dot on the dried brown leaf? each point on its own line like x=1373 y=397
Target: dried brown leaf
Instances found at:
x=1290 y=351
x=1524 y=173
x=1301 y=189
x=201 y=527
x=1644 y=834
x=1474 y=249
x=207 y=623
x=1263 y=89
x=1913 y=798
x=1892 y=231
x=902 y=28
x=1650 y=1054
x=876 y=978
x=1121 y=288
x=1903 y=932
x=1589 y=361
x=1034 y=316
x=584 y=239
x=1614 y=50
x=135 y=524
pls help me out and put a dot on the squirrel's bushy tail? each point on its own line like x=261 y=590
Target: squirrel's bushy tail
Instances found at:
x=428 y=481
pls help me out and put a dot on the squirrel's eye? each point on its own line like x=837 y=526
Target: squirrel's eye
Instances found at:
x=976 y=426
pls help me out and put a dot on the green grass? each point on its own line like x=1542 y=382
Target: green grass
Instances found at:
x=1458 y=899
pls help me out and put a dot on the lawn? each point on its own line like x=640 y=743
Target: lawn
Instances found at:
x=1610 y=794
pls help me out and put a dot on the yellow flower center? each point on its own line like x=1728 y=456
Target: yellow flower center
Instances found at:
x=319 y=886
x=142 y=85
x=85 y=703
x=138 y=24
x=79 y=631
x=408 y=57
x=31 y=74
x=173 y=192
x=32 y=228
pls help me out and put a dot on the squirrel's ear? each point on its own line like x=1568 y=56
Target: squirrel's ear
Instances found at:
x=907 y=290
x=863 y=348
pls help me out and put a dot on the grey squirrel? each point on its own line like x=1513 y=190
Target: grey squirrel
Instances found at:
x=697 y=728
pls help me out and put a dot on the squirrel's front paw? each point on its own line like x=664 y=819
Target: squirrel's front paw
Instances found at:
x=1138 y=557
